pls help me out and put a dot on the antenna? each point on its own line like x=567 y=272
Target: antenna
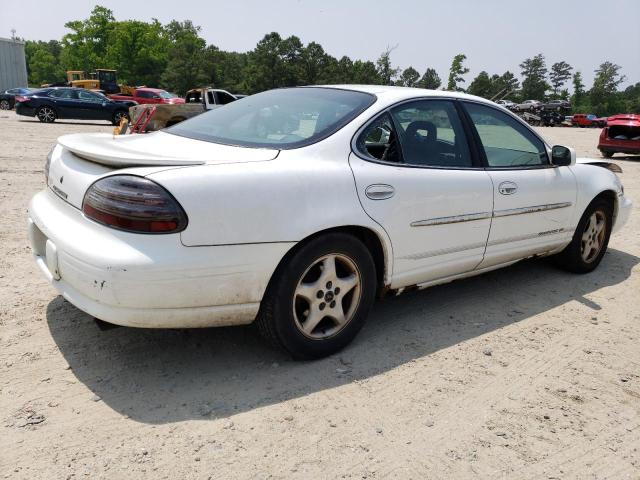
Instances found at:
x=13 y=34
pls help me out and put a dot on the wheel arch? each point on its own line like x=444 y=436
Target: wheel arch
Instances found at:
x=611 y=197
x=375 y=243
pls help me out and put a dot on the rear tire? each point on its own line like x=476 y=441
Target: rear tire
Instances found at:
x=607 y=154
x=319 y=299
x=46 y=114
x=590 y=240
x=5 y=105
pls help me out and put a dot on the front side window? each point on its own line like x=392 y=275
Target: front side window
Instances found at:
x=422 y=133
x=507 y=143
x=63 y=94
x=283 y=118
x=90 y=97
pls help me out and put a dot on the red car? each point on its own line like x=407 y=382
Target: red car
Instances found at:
x=583 y=120
x=621 y=135
x=149 y=95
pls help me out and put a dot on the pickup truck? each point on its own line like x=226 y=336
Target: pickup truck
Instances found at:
x=145 y=95
x=196 y=101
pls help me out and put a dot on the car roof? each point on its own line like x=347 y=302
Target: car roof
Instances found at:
x=393 y=93
x=149 y=89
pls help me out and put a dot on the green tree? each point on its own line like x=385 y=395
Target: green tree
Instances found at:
x=409 y=78
x=43 y=62
x=430 y=80
x=85 y=47
x=186 y=58
x=505 y=85
x=386 y=73
x=604 y=93
x=578 y=88
x=560 y=73
x=456 y=72
x=365 y=73
x=481 y=86
x=534 y=72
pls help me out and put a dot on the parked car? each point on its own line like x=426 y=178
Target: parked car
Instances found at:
x=49 y=104
x=588 y=120
x=8 y=97
x=527 y=105
x=621 y=135
x=508 y=104
x=295 y=208
x=197 y=101
x=143 y=96
x=557 y=105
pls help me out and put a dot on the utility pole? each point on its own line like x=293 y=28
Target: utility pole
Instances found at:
x=13 y=34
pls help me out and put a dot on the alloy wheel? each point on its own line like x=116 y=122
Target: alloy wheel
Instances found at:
x=4 y=105
x=593 y=236
x=327 y=296
x=46 y=115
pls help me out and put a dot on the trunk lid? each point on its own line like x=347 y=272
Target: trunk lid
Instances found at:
x=80 y=159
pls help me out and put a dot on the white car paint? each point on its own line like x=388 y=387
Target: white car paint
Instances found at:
x=248 y=207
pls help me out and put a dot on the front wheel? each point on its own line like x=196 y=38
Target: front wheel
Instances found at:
x=607 y=154
x=319 y=300
x=590 y=239
x=46 y=114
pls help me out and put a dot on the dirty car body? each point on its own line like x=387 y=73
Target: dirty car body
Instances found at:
x=298 y=205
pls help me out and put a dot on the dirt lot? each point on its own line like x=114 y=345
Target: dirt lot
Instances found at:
x=524 y=373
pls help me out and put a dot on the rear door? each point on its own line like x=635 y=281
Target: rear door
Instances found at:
x=533 y=200
x=416 y=176
x=65 y=102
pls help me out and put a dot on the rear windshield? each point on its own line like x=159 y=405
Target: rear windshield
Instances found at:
x=282 y=119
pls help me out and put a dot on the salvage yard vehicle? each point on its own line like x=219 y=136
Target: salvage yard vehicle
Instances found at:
x=153 y=96
x=295 y=206
x=557 y=105
x=508 y=104
x=49 y=104
x=197 y=101
x=527 y=105
x=621 y=135
x=588 y=120
x=8 y=97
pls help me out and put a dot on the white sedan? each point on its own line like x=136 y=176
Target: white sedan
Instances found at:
x=294 y=207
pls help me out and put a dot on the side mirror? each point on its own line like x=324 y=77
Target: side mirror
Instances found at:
x=563 y=156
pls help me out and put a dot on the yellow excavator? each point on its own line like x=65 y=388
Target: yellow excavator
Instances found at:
x=102 y=79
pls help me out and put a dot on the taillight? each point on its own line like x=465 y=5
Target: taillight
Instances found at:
x=21 y=98
x=133 y=204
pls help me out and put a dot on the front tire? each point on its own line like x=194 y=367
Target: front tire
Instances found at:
x=607 y=154
x=320 y=298
x=46 y=114
x=590 y=239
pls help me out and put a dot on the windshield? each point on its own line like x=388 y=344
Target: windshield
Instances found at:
x=283 y=118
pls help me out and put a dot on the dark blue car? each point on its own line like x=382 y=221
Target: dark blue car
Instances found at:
x=8 y=97
x=49 y=104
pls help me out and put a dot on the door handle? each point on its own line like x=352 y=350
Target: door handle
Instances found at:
x=507 y=188
x=379 y=191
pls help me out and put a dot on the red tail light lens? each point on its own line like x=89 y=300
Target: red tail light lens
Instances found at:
x=20 y=98
x=133 y=204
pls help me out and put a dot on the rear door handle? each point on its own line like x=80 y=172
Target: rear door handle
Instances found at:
x=379 y=191
x=507 y=188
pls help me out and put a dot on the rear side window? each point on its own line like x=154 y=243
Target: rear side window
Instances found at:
x=506 y=142
x=65 y=93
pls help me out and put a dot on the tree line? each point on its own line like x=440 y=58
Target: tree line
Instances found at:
x=175 y=57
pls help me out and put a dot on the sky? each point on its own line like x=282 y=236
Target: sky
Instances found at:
x=496 y=35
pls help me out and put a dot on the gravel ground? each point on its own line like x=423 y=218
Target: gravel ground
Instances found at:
x=527 y=372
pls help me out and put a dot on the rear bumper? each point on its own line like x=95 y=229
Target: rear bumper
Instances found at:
x=625 y=206
x=148 y=281
x=612 y=147
x=22 y=109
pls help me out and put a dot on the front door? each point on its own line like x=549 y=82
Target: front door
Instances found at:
x=533 y=200
x=416 y=177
